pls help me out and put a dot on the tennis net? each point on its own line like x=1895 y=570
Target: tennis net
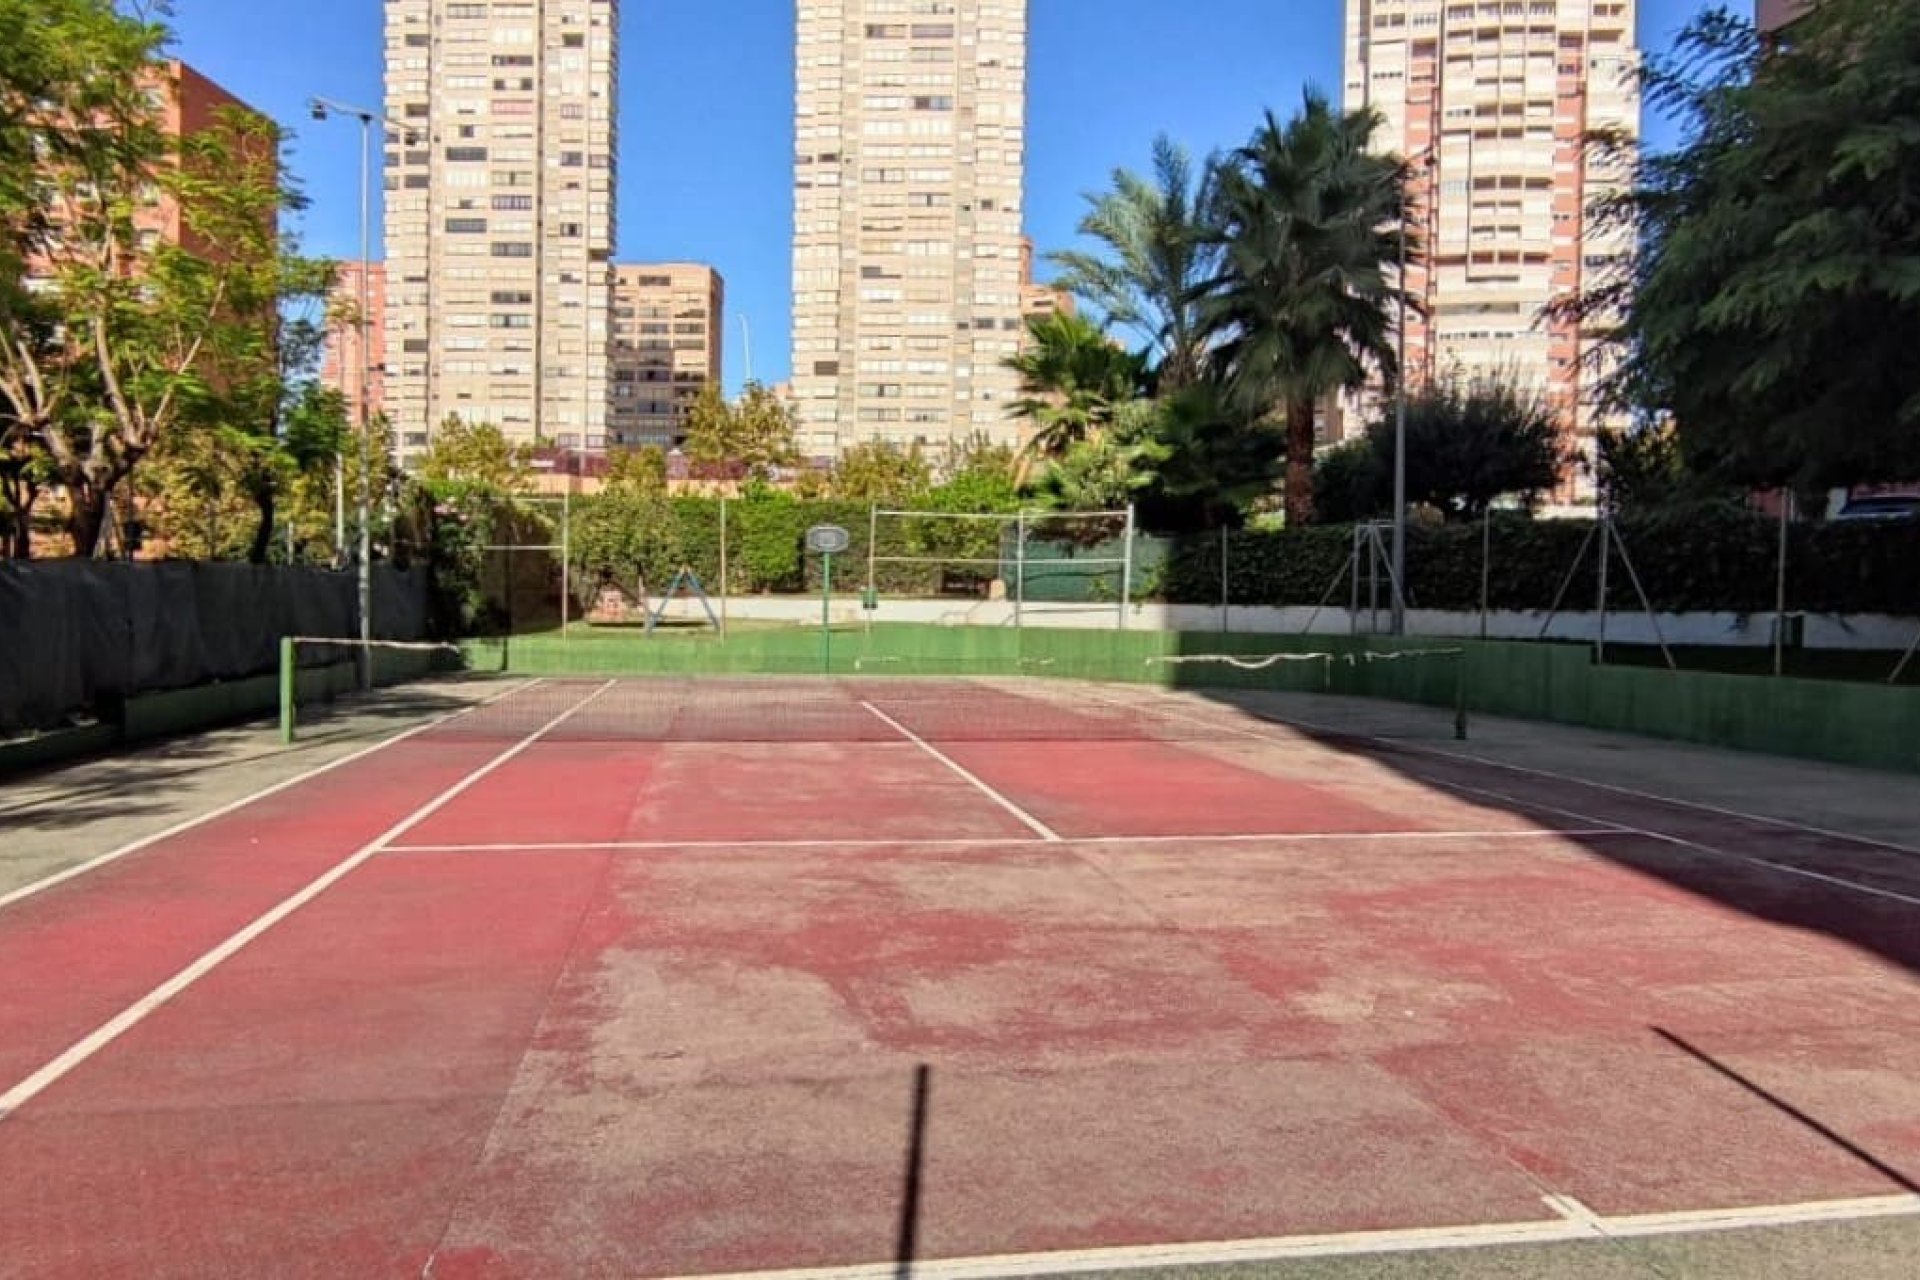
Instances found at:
x=995 y=698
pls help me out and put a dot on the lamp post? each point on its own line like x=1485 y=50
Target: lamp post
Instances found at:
x=323 y=109
x=1399 y=570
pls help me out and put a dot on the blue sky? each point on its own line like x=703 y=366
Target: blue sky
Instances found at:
x=706 y=112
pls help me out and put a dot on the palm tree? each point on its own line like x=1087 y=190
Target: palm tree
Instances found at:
x=1308 y=223
x=1073 y=379
x=1155 y=257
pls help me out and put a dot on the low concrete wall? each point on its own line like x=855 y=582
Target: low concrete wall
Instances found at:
x=1755 y=630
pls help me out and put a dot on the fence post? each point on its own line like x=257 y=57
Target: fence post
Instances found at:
x=566 y=557
x=1606 y=549
x=723 y=566
x=1126 y=570
x=1226 y=589
x=1019 y=566
x=1780 y=588
x=1486 y=565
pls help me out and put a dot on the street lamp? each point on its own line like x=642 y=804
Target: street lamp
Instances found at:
x=323 y=109
x=1399 y=568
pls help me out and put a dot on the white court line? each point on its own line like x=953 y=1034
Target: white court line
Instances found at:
x=31 y=1087
x=1784 y=868
x=1032 y=823
x=1764 y=820
x=113 y=855
x=1615 y=788
x=979 y=842
x=1573 y=1224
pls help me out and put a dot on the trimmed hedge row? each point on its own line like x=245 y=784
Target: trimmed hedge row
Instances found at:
x=1716 y=560
x=1712 y=559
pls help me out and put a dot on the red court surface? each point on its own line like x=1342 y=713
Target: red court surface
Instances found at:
x=608 y=980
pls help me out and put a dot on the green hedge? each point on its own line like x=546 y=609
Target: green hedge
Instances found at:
x=1710 y=560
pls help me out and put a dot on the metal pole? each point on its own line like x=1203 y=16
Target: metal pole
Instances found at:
x=366 y=415
x=566 y=557
x=1780 y=589
x=1226 y=590
x=1486 y=566
x=873 y=562
x=1126 y=571
x=1606 y=547
x=286 y=690
x=723 y=568
x=826 y=612
x=1400 y=450
x=1019 y=564
x=339 y=506
x=1353 y=596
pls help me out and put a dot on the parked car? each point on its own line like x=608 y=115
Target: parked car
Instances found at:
x=1882 y=509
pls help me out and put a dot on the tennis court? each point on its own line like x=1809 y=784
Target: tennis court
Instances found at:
x=673 y=977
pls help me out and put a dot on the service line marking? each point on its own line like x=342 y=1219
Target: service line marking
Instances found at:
x=187 y=824
x=1028 y=820
x=1621 y=828
x=1573 y=1223
x=124 y=1021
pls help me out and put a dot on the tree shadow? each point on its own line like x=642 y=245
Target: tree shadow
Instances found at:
x=1855 y=889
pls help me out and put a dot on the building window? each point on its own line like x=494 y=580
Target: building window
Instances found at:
x=512 y=249
x=466 y=154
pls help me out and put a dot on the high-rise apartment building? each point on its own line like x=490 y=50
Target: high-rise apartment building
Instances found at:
x=668 y=323
x=343 y=365
x=1038 y=299
x=909 y=145
x=500 y=216
x=1494 y=102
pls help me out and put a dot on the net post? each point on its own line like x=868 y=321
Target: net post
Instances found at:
x=826 y=612
x=1606 y=549
x=1126 y=570
x=286 y=691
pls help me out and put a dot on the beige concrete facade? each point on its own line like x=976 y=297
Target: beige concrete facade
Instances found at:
x=1038 y=299
x=1493 y=101
x=500 y=219
x=669 y=320
x=909 y=151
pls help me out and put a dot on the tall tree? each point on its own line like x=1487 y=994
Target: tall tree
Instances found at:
x=1153 y=257
x=1073 y=380
x=1773 y=304
x=876 y=471
x=754 y=434
x=81 y=151
x=475 y=459
x=1309 y=222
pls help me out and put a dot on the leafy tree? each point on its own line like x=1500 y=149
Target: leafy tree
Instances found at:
x=640 y=472
x=879 y=472
x=1217 y=463
x=1349 y=483
x=123 y=345
x=475 y=459
x=1108 y=471
x=1073 y=379
x=976 y=475
x=1773 y=305
x=1154 y=257
x=1308 y=221
x=1644 y=469
x=1470 y=441
x=82 y=149
x=755 y=434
